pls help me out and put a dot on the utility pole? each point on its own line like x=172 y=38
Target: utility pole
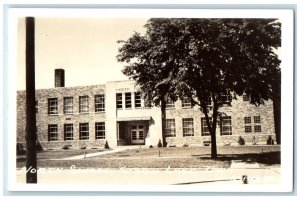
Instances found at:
x=31 y=164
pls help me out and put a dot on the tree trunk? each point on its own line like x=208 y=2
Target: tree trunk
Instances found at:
x=163 y=122
x=277 y=106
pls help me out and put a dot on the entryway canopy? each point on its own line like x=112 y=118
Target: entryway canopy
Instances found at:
x=133 y=118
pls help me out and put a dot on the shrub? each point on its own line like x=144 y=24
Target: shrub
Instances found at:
x=185 y=145
x=39 y=146
x=83 y=148
x=106 y=146
x=159 y=143
x=254 y=140
x=150 y=146
x=20 y=149
x=241 y=141
x=270 y=141
x=65 y=147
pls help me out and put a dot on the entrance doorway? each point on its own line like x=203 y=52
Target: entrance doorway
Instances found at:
x=137 y=134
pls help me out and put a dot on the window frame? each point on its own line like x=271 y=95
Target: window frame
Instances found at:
x=51 y=133
x=204 y=126
x=170 y=128
x=222 y=131
x=186 y=129
x=128 y=100
x=84 y=134
x=137 y=101
x=84 y=106
x=99 y=103
x=52 y=106
x=119 y=100
x=67 y=107
x=100 y=133
x=68 y=135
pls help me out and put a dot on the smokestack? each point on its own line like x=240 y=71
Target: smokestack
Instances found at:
x=59 y=78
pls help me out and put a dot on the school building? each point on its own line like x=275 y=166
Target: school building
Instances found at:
x=88 y=116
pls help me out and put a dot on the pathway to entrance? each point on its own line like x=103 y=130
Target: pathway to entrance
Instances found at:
x=88 y=155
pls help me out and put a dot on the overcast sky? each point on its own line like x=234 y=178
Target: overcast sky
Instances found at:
x=85 y=47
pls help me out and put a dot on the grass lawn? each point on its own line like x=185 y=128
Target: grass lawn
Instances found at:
x=174 y=157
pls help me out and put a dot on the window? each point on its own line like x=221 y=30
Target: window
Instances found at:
x=137 y=100
x=52 y=106
x=186 y=102
x=68 y=131
x=36 y=106
x=257 y=128
x=204 y=128
x=52 y=132
x=84 y=131
x=83 y=104
x=226 y=128
x=128 y=100
x=248 y=129
x=247 y=120
x=119 y=100
x=256 y=119
x=226 y=97
x=100 y=130
x=188 y=127
x=170 y=103
x=99 y=103
x=170 y=129
x=68 y=105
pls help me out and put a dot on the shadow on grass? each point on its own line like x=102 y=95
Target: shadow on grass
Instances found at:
x=268 y=158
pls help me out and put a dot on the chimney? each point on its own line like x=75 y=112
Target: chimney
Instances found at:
x=59 y=78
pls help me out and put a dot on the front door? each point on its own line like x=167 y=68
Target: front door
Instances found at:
x=137 y=134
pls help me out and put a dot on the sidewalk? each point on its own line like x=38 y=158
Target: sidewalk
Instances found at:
x=88 y=155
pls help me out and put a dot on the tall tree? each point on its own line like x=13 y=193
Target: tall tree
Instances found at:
x=208 y=60
x=150 y=62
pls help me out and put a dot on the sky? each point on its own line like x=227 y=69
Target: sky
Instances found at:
x=85 y=47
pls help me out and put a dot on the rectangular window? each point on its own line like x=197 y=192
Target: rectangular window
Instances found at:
x=170 y=103
x=226 y=128
x=99 y=103
x=52 y=132
x=68 y=131
x=226 y=97
x=119 y=100
x=138 y=100
x=248 y=129
x=188 y=127
x=186 y=102
x=128 y=100
x=170 y=129
x=247 y=120
x=68 y=105
x=52 y=106
x=204 y=127
x=257 y=128
x=257 y=119
x=84 y=131
x=83 y=104
x=100 y=130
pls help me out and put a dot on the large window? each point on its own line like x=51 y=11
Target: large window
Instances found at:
x=68 y=105
x=128 y=100
x=188 y=127
x=83 y=104
x=68 y=131
x=226 y=128
x=256 y=125
x=119 y=100
x=84 y=131
x=100 y=130
x=204 y=126
x=170 y=129
x=52 y=106
x=52 y=132
x=137 y=100
x=248 y=127
x=99 y=103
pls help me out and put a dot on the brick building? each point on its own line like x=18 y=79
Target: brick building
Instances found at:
x=88 y=116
